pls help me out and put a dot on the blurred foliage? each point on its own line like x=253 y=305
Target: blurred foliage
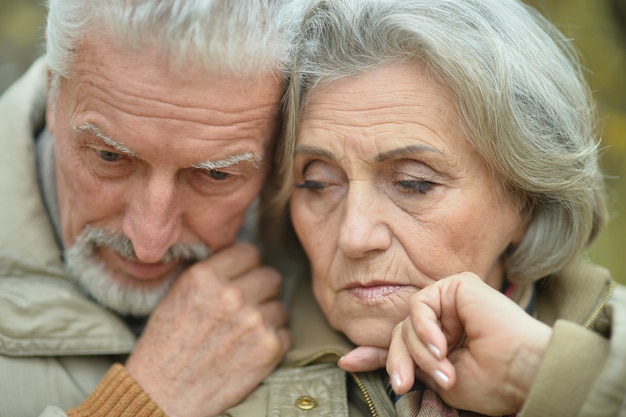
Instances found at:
x=597 y=28
x=21 y=37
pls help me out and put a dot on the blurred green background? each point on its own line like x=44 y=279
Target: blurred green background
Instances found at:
x=597 y=28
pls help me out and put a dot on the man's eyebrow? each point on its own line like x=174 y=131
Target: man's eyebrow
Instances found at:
x=94 y=130
x=229 y=161
x=406 y=151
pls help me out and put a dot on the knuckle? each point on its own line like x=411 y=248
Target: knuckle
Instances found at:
x=272 y=347
x=232 y=298
x=253 y=320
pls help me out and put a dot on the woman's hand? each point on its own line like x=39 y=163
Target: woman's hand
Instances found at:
x=472 y=345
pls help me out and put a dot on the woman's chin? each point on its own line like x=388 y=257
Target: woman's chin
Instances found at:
x=370 y=333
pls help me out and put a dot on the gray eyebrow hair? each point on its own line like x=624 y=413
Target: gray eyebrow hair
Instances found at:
x=314 y=151
x=207 y=165
x=229 y=161
x=408 y=150
x=394 y=153
x=94 y=130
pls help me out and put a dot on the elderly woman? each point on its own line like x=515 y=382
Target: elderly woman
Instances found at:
x=439 y=169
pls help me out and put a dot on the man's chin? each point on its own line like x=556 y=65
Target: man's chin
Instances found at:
x=122 y=295
x=125 y=299
x=136 y=294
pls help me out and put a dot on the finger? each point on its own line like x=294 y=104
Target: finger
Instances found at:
x=274 y=313
x=425 y=310
x=400 y=364
x=284 y=340
x=363 y=359
x=259 y=284
x=426 y=355
x=232 y=261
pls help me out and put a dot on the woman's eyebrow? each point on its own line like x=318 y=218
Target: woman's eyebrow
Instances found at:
x=314 y=151
x=405 y=151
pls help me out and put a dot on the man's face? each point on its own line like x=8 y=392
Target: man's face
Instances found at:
x=166 y=162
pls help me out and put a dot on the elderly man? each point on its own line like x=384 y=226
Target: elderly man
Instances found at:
x=124 y=190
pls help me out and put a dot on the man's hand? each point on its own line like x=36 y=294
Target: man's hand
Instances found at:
x=465 y=340
x=218 y=332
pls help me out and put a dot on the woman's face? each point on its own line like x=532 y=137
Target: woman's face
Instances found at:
x=390 y=196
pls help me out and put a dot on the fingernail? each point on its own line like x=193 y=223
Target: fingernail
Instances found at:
x=441 y=378
x=433 y=349
x=396 y=381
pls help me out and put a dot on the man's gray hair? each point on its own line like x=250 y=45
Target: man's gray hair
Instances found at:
x=243 y=37
x=519 y=90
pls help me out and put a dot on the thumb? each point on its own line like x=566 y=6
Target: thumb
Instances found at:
x=363 y=359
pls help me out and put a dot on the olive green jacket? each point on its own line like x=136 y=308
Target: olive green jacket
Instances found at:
x=582 y=374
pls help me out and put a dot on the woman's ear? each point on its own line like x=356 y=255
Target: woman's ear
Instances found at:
x=519 y=234
x=49 y=103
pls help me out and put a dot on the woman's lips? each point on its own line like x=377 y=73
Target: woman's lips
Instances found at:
x=375 y=291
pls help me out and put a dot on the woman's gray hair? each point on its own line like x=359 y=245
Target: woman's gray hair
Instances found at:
x=245 y=37
x=519 y=90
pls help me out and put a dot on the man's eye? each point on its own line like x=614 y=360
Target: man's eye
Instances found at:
x=217 y=175
x=108 y=155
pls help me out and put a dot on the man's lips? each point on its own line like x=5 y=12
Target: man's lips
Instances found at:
x=137 y=269
x=145 y=271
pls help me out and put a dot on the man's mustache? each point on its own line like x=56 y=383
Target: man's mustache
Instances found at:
x=95 y=237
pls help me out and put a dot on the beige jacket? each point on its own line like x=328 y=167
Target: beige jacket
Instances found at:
x=55 y=345
x=583 y=373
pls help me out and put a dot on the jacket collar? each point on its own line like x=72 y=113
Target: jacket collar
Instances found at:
x=577 y=293
x=314 y=341
x=42 y=312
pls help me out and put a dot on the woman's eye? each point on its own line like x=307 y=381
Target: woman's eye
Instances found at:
x=311 y=185
x=217 y=175
x=420 y=186
x=108 y=155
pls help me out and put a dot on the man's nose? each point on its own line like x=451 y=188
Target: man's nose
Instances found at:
x=363 y=227
x=153 y=217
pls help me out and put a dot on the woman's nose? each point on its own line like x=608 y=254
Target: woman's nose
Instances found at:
x=364 y=229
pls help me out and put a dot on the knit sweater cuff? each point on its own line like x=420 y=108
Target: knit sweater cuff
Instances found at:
x=117 y=395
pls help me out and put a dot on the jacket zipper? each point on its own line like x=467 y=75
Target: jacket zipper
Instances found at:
x=359 y=383
x=598 y=309
x=366 y=395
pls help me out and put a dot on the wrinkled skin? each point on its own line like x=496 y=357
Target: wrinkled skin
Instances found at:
x=472 y=345
x=165 y=158
x=390 y=198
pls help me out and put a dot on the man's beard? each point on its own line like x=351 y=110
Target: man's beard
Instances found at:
x=95 y=278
